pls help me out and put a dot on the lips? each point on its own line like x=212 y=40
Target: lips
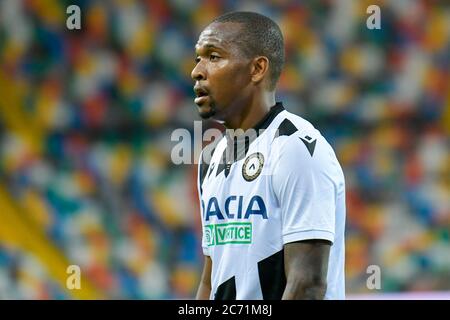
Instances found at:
x=201 y=100
x=202 y=95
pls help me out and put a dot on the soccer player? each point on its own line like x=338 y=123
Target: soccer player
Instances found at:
x=272 y=211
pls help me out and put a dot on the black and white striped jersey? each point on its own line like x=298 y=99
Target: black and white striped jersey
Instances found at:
x=283 y=184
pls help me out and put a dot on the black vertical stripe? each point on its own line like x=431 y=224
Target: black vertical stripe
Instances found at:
x=272 y=277
x=221 y=166
x=202 y=174
x=227 y=290
x=204 y=166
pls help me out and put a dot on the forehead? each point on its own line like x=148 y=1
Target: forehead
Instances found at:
x=219 y=35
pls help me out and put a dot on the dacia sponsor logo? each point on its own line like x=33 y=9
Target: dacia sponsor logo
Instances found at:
x=225 y=233
x=234 y=207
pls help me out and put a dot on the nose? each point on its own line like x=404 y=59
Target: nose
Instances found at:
x=198 y=73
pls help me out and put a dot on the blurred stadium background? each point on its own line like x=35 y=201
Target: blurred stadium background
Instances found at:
x=86 y=117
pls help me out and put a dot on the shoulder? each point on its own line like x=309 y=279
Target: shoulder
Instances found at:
x=299 y=147
x=297 y=137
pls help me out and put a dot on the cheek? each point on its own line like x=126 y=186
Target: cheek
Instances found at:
x=222 y=64
x=221 y=73
x=230 y=77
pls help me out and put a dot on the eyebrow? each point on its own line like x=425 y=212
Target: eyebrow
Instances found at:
x=209 y=47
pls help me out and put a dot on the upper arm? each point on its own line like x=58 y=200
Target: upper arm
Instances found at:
x=306 y=267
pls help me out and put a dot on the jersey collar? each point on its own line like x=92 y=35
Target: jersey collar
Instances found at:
x=268 y=118
x=240 y=149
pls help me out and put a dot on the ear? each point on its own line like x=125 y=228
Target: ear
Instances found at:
x=260 y=67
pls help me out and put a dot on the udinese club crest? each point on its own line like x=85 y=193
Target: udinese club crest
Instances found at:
x=253 y=166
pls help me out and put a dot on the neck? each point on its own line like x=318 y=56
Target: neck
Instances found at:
x=251 y=112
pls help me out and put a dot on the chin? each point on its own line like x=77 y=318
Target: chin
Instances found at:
x=206 y=112
x=206 y=115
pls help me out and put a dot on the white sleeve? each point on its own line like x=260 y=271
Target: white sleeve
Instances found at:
x=305 y=186
x=201 y=204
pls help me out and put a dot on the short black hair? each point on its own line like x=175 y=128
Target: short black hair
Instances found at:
x=260 y=36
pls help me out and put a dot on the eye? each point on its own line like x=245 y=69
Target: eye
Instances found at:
x=197 y=59
x=214 y=57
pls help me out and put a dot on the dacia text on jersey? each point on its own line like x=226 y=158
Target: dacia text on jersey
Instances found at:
x=256 y=206
x=232 y=232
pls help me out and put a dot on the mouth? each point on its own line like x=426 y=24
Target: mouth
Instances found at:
x=201 y=95
x=201 y=100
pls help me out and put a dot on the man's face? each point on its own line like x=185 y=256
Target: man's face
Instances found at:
x=221 y=72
